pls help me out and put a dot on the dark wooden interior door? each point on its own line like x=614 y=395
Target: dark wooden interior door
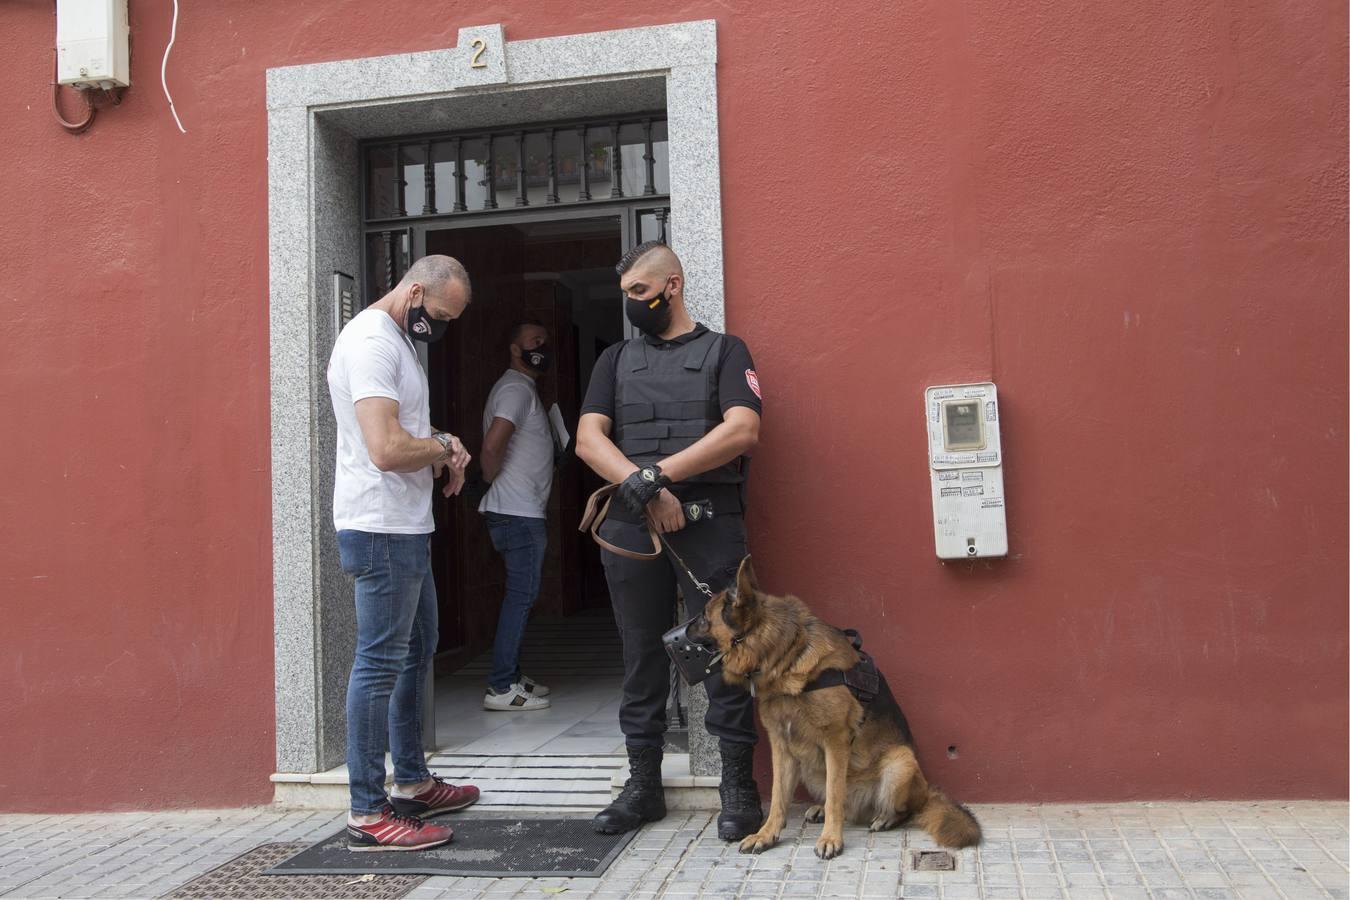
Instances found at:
x=517 y=275
x=464 y=366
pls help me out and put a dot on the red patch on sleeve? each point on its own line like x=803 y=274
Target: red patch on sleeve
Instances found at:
x=753 y=380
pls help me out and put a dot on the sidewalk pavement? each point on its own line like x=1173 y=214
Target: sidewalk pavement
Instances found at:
x=1158 y=851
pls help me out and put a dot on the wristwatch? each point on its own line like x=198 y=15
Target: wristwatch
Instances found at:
x=444 y=439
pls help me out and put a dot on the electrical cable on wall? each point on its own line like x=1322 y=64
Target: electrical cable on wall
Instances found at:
x=72 y=127
x=163 y=67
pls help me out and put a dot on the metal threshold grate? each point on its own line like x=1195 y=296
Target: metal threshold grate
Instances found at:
x=242 y=878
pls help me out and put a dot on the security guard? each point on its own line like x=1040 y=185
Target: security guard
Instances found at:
x=672 y=417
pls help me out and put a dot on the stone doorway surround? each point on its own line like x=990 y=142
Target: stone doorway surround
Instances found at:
x=316 y=115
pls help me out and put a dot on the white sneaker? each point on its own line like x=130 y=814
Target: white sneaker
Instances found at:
x=533 y=687
x=515 y=698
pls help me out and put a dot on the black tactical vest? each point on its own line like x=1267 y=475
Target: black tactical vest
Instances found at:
x=665 y=400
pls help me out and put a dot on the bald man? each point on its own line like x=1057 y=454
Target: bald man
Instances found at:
x=673 y=417
x=388 y=458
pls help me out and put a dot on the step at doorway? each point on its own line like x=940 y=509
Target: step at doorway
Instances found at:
x=564 y=756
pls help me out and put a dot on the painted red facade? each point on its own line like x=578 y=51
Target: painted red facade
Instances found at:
x=1131 y=216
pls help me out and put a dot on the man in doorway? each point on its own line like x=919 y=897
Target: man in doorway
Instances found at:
x=388 y=457
x=518 y=459
x=672 y=417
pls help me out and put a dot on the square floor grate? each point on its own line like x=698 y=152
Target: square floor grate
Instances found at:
x=931 y=861
x=242 y=878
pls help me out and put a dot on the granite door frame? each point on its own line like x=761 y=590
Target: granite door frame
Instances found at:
x=316 y=116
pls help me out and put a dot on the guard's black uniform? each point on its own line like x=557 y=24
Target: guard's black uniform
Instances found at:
x=662 y=396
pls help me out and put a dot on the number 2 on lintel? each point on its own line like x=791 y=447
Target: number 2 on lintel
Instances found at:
x=479 y=47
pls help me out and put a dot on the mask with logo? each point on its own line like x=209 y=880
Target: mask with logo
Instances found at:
x=539 y=359
x=422 y=327
x=650 y=316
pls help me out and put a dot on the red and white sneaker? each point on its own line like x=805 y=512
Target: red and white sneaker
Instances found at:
x=441 y=797
x=396 y=832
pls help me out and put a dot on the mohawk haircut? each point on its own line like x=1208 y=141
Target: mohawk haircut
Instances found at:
x=630 y=258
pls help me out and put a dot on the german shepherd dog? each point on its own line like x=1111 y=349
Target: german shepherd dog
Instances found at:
x=858 y=760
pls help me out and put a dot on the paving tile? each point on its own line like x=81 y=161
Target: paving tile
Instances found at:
x=1213 y=851
x=960 y=892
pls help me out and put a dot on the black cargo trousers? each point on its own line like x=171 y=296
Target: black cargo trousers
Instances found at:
x=643 y=595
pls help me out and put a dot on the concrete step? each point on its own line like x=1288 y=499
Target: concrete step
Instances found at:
x=685 y=791
x=553 y=781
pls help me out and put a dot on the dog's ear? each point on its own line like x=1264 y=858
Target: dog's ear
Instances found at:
x=746 y=584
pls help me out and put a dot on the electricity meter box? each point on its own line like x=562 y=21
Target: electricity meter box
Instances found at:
x=965 y=461
x=93 y=43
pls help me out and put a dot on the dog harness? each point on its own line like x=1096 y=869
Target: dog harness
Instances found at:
x=862 y=679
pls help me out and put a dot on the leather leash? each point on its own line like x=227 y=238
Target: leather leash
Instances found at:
x=597 y=507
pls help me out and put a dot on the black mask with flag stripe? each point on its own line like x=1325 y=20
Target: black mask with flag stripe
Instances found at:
x=650 y=316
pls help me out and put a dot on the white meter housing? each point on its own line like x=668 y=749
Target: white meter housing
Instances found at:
x=92 y=43
x=965 y=460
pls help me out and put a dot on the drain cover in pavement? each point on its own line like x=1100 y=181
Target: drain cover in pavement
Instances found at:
x=496 y=847
x=242 y=877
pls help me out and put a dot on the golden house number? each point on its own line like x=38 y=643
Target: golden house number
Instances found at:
x=479 y=47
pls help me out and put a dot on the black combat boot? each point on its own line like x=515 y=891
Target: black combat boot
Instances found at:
x=741 y=813
x=642 y=798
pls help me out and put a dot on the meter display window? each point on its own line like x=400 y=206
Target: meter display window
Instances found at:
x=963 y=425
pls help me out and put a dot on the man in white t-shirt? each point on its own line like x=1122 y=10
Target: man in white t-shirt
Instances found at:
x=388 y=457
x=518 y=459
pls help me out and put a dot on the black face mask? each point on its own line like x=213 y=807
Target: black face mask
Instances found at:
x=539 y=359
x=422 y=327
x=650 y=316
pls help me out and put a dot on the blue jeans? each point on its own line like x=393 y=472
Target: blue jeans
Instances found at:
x=396 y=634
x=521 y=541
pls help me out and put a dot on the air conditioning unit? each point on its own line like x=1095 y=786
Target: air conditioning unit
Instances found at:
x=93 y=43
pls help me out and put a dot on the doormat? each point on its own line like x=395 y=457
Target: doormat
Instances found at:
x=242 y=877
x=502 y=846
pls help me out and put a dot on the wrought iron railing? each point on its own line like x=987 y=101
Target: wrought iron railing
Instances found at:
x=552 y=165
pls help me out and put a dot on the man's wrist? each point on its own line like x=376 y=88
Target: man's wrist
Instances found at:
x=665 y=471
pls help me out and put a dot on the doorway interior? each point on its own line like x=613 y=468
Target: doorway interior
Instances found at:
x=583 y=194
x=560 y=273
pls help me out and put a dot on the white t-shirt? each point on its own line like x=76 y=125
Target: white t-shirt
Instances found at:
x=373 y=357
x=521 y=487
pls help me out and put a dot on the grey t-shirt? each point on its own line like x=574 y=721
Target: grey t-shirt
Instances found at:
x=526 y=477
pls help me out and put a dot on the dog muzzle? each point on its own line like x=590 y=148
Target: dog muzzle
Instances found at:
x=693 y=661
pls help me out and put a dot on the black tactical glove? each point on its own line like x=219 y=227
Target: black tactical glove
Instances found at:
x=638 y=489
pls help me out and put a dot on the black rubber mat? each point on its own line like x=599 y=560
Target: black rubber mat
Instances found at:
x=242 y=877
x=497 y=846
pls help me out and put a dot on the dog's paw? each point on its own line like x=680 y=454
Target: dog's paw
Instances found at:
x=829 y=846
x=814 y=814
x=758 y=842
x=884 y=822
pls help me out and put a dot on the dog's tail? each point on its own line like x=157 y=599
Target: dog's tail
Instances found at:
x=950 y=824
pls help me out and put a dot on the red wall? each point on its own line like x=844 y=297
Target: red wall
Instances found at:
x=1132 y=217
